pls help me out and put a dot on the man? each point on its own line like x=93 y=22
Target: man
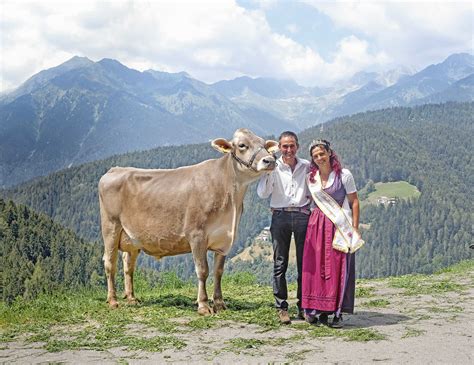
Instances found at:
x=290 y=202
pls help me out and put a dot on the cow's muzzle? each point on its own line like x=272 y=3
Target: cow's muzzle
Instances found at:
x=269 y=160
x=268 y=163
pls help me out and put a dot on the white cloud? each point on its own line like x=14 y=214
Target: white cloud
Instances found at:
x=353 y=55
x=220 y=40
x=413 y=33
x=210 y=41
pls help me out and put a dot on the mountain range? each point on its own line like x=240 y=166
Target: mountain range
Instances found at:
x=451 y=80
x=82 y=110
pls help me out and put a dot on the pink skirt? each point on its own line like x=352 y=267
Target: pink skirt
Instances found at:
x=324 y=268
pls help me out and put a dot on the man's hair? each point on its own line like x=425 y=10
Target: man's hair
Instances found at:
x=289 y=134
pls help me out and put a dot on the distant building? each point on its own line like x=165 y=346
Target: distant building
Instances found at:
x=384 y=200
x=264 y=235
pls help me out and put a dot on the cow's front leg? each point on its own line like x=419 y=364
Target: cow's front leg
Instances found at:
x=199 y=250
x=129 y=259
x=218 y=271
x=111 y=235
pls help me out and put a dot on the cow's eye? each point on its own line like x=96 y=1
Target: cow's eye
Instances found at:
x=242 y=146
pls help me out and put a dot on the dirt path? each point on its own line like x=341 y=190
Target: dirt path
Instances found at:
x=388 y=327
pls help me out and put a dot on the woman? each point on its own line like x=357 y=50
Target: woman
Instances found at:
x=328 y=282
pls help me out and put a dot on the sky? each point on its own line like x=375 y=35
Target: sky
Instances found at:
x=313 y=42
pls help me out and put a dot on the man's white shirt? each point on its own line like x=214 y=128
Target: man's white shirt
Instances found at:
x=287 y=188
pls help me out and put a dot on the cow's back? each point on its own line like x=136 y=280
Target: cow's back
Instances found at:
x=154 y=205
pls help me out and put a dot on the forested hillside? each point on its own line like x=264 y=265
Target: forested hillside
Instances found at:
x=429 y=146
x=40 y=256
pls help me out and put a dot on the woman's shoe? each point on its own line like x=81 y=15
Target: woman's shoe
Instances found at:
x=323 y=318
x=310 y=319
x=337 y=322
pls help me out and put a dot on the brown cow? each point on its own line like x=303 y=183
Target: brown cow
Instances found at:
x=189 y=209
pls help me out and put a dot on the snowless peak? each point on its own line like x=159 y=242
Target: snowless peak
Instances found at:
x=460 y=59
x=394 y=75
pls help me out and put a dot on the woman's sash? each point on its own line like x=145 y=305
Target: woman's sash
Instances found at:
x=346 y=238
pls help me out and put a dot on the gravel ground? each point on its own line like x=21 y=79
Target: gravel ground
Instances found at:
x=418 y=329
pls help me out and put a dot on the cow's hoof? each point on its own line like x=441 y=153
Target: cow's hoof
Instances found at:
x=133 y=301
x=205 y=311
x=113 y=304
x=219 y=306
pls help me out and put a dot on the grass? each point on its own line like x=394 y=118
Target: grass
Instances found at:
x=167 y=317
x=450 y=309
x=298 y=356
x=237 y=344
x=363 y=335
x=152 y=344
x=251 y=346
x=412 y=332
x=203 y=323
x=364 y=291
x=358 y=334
x=82 y=320
x=397 y=189
x=422 y=284
x=376 y=303
x=459 y=268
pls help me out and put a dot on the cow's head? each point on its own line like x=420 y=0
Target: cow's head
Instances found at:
x=251 y=152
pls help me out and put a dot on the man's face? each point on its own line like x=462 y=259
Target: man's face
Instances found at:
x=288 y=147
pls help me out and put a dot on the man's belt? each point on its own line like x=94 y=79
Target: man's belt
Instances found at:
x=304 y=210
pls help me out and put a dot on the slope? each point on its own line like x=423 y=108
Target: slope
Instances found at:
x=41 y=257
x=82 y=111
x=428 y=146
x=409 y=319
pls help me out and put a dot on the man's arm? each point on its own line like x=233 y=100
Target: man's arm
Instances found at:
x=265 y=185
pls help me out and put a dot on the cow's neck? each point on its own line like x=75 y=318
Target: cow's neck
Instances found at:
x=240 y=183
x=241 y=179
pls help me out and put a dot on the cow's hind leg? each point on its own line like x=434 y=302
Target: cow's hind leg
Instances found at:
x=199 y=250
x=129 y=259
x=218 y=271
x=111 y=235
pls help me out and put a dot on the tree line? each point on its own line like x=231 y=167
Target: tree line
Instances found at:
x=429 y=146
x=41 y=256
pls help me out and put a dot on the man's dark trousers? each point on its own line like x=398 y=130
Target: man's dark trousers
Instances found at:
x=283 y=225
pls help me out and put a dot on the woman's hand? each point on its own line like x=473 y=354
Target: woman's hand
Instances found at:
x=357 y=230
x=354 y=203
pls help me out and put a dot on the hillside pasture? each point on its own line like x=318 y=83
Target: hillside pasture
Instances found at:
x=407 y=319
x=396 y=189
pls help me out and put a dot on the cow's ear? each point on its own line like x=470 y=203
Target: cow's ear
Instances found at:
x=271 y=146
x=222 y=145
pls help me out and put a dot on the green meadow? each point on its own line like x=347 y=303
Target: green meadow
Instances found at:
x=396 y=189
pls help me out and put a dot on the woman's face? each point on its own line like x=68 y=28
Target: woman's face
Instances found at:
x=321 y=157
